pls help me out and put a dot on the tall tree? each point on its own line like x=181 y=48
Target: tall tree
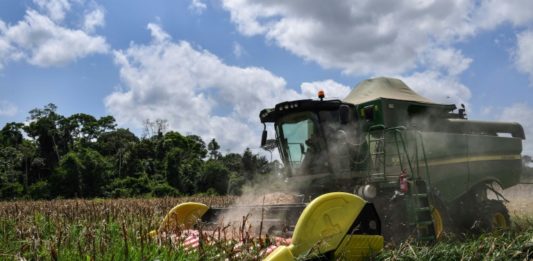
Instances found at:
x=11 y=134
x=213 y=148
x=43 y=128
x=214 y=176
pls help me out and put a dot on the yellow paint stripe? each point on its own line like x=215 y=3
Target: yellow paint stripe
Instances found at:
x=473 y=159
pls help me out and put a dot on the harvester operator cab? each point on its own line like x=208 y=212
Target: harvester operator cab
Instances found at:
x=314 y=138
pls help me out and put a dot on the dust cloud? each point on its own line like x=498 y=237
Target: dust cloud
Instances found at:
x=251 y=214
x=520 y=199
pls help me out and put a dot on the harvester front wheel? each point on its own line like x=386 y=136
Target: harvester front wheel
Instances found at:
x=494 y=216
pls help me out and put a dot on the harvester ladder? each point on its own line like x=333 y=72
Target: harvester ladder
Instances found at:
x=421 y=210
x=379 y=139
x=417 y=198
x=377 y=148
x=419 y=193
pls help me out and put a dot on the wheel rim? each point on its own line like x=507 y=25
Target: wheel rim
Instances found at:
x=437 y=222
x=499 y=221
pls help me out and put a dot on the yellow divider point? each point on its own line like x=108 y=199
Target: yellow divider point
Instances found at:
x=323 y=225
x=182 y=216
x=357 y=247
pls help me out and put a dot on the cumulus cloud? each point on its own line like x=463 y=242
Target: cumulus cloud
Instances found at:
x=438 y=87
x=157 y=33
x=238 y=50
x=93 y=19
x=55 y=9
x=359 y=37
x=524 y=53
x=332 y=89
x=189 y=87
x=197 y=6
x=7 y=51
x=7 y=108
x=43 y=40
x=492 y=13
x=521 y=113
x=449 y=60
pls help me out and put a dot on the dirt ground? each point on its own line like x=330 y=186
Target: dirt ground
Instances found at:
x=520 y=199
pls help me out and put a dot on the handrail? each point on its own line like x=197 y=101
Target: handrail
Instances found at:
x=425 y=158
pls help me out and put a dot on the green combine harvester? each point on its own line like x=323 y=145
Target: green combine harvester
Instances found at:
x=383 y=164
x=426 y=168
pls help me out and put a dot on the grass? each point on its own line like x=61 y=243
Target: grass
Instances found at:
x=117 y=230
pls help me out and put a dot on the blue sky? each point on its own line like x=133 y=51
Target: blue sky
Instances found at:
x=209 y=66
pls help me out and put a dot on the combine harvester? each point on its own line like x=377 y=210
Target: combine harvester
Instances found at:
x=423 y=165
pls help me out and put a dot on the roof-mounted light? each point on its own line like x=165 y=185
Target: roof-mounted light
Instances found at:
x=321 y=94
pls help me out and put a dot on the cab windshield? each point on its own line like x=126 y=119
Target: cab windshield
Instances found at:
x=296 y=134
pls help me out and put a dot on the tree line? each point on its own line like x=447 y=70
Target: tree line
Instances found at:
x=80 y=156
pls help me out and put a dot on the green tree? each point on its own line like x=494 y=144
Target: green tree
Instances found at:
x=93 y=174
x=213 y=148
x=67 y=178
x=173 y=167
x=43 y=128
x=117 y=146
x=11 y=134
x=214 y=176
x=248 y=165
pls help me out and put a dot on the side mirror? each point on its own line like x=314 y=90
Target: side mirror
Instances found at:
x=344 y=114
x=264 y=138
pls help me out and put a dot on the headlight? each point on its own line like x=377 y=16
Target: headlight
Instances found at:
x=370 y=191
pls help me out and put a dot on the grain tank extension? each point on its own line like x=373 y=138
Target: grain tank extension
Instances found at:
x=426 y=168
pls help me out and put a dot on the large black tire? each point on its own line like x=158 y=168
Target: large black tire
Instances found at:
x=493 y=216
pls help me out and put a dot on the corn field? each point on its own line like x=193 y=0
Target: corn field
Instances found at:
x=117 y=229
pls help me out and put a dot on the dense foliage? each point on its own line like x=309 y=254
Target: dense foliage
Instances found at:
x=80 y=156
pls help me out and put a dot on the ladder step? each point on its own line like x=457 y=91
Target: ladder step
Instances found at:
x=420 y=195
x=423 y=209
x=428 y=238
x=423 y=223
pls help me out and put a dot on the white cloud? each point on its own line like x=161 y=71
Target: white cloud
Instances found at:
x=157 y=33
x=197 y=6
x=492 y=13
x=93 y=19
x=238 y=50
x=7 y=108
x=524 y=53
x=438 y=87
x=449 y=60
x=359 y=37
x=55 y=9
x=521 y=113
x=43 y=41
x=332 y=89
x=189 y=87
x=7 y=51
